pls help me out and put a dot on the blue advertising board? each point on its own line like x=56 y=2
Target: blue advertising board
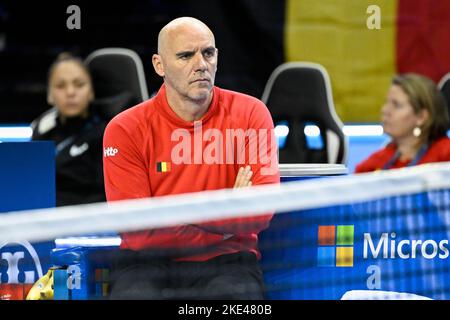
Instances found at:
x=396 y=244
x=27 y=181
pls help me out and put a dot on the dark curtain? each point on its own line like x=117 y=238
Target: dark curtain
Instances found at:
x=249 y=35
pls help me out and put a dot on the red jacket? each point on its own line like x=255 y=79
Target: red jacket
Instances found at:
x=149 y=151
x=439 y=151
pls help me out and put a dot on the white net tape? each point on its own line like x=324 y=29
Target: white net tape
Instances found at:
x=140 y=214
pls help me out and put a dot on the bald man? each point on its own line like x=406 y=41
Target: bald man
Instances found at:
x=187 y=60
x=180 y=141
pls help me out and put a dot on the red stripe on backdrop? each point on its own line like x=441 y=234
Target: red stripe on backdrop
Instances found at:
x=423 y=37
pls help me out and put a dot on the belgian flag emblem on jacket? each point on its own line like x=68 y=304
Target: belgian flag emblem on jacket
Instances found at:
x=163 y=166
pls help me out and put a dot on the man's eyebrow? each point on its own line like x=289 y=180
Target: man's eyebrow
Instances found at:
x=184 y=53
x=191 y=52
x=209 y=48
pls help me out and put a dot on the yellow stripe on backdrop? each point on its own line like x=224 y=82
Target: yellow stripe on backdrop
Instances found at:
x=360 y=61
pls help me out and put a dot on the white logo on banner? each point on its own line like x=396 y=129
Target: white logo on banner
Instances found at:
x=12 y=260
x=404 y=249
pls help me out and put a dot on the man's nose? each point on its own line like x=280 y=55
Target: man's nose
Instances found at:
x=200 y=63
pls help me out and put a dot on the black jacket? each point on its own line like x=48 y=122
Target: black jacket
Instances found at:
x=79 y=156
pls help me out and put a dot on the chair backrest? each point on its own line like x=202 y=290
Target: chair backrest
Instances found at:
x=118 y=79
x=444 y=87
x=300 y=94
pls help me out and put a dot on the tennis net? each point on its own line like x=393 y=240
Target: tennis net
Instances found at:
x=371 y=236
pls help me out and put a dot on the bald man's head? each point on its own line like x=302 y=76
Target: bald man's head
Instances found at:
x=179 y=26
x=187 y=61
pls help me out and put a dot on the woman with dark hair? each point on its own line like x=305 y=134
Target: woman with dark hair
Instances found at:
x=415 y=116
x=76 y=131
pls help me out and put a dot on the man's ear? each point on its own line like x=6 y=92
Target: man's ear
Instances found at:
x=157 y=65
x=217 y=58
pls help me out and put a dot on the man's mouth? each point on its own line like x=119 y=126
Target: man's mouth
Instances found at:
x=201 y=80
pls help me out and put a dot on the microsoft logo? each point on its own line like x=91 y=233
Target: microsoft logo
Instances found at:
x=101 y=282
x=335 y=246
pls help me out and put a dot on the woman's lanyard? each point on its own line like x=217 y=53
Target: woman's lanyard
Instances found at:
x=416 y=159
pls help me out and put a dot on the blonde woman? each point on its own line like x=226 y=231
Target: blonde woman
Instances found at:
x=416 y=118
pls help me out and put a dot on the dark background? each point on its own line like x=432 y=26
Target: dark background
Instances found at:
x=249 y=35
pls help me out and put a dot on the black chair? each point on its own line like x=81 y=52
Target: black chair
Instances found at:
x=118 y=78
x=299 y=93
x=444 y=87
